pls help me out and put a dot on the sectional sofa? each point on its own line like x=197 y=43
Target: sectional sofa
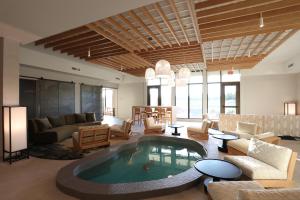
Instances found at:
x=49 y=130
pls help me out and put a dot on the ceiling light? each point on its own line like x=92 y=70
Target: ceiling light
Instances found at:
x=261 y=21
x=89 y=53
x=162 y=69
x=150 y=74
x=181 y=82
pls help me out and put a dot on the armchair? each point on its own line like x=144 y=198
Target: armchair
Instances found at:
x=151 y=127
x=122 y=131
x=199 y=133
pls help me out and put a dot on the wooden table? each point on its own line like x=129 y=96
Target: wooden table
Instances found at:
x=153 y=109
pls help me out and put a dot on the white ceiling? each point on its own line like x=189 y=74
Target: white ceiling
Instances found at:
x=47 y=17
x=277 y=62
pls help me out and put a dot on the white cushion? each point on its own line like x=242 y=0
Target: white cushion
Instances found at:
x=269 y=194
x=194 y=129
x=256 y=169
x=274 y=155
x=228 y=190
x=205 y=124
x=245 y=127
x=240 y=145
x=264 y=135
x=150 y=121
x=117 y=128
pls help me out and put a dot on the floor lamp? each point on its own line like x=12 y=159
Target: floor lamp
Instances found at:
x=15 y=142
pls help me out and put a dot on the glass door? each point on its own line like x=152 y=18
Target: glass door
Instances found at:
x=154 y=98
x=230 y=98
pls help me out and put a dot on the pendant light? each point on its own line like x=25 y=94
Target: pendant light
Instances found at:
x=261 y=21
x=149 y=74
x=181 y=82
x=171 y=80
x=162 y=69
x=184 y=73
x=89 y=52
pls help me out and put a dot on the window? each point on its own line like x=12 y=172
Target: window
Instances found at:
x=189 y=98
x=108 y=100
x=159 y=93
x=213 y=94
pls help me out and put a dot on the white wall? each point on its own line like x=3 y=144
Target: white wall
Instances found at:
x=130 y=94
x=266 y=94
x=53 y=75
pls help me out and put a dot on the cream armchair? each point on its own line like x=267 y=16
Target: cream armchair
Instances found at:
x=199 y=133
x=122 y=131
x=245 y=130
x=270 y=165
x=151 y=127
x=249 y=190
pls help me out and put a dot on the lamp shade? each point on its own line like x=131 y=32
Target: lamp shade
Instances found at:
x=15 y=128
x=290 y=108
x=181 y=82
x=150 y=74
x=184 y=73
x=162 y=69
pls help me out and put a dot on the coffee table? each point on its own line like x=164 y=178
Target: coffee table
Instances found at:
x=217 y=170
x=175 y=126
x=224 y=138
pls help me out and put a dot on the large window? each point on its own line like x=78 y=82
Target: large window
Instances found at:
x=189 y=98
x=223 y=93
x=159 y=93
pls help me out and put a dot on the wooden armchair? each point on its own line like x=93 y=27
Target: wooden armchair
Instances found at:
x=151 y=127
x=199 y=133
x=122 y=131
x=91 y=136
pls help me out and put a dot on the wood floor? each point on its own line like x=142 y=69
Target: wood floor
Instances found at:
x=34 y=179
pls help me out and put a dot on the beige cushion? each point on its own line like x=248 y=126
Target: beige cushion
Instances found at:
x=205 y=124
x=150 y=121
x=269 y=194
x=194 y=129
x=264 y=135
x=228 y=190
x=117 y=128
x=240 y=145
x=274 y=155
x=75 y=135
x=245 y=127
x=256 y=169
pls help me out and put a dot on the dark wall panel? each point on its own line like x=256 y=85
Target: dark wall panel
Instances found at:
x=91 y=100
x=28 y=97
x=66 y=98
x=48 y=93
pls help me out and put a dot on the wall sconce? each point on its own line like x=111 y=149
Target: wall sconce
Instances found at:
x=15 y=144
x=290 y=108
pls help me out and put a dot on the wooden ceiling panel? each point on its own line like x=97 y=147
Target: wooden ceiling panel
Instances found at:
x=198 y=34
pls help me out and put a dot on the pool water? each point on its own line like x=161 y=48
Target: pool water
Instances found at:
x=149 y=160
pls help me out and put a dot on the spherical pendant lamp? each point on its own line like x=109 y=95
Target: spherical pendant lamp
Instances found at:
x=150 y=74
x=181 y=82
x=184 y=73
x=171 y=80
x=162 y=69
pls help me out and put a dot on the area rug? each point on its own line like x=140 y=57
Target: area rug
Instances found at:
x=286 y=137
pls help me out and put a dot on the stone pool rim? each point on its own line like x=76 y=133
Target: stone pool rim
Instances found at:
x=69 y=183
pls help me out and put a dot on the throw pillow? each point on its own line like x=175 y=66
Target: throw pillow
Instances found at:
x=80 y=118
x=70 y=119
x=56 y=121
x=90 y=117
x=43 y=124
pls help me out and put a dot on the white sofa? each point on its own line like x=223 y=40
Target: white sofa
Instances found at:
x=269 y=164
x=249 y=190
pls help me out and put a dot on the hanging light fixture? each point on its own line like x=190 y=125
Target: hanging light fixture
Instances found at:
x=181 y=82
x=184 y=73
x=89 y=52
x=171 y=80
x=149 y=74
x=162 y=69
x=261 y=21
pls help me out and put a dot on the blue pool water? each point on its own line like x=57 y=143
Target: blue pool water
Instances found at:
x=149 y=160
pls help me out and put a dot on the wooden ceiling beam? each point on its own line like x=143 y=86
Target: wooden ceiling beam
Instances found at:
x=145 y=27
x=65 y=34
x=283 y=5
x=178 y=19
x=85 y=41
x=234 y=7
x=69 y=40
x=124 y=62
x=136 y=31
x=235 y=33
x=154 y=23
x=207 y=4
x=277 y=35
x=104 y=54
x=86 y=46
x=125 y=32
x=99 y=51
x=106 y=63
x=117 y=35
x=166 y=21
x=93 y=48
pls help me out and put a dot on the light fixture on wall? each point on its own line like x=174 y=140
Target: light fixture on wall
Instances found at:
x=149 y=74
x=15 y=145
x=162 y=69
x=261 y=21
x=290 y=108
x=89 y=52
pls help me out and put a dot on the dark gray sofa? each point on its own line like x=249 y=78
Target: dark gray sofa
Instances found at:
x=57 y=132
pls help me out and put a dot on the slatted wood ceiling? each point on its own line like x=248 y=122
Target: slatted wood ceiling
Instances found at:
x=212 y=34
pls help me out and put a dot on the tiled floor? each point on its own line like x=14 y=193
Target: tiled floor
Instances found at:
x=34 y=179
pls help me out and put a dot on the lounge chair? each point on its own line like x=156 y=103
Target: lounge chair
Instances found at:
x=151 y=127
x=199 y=133
x=122 y=131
